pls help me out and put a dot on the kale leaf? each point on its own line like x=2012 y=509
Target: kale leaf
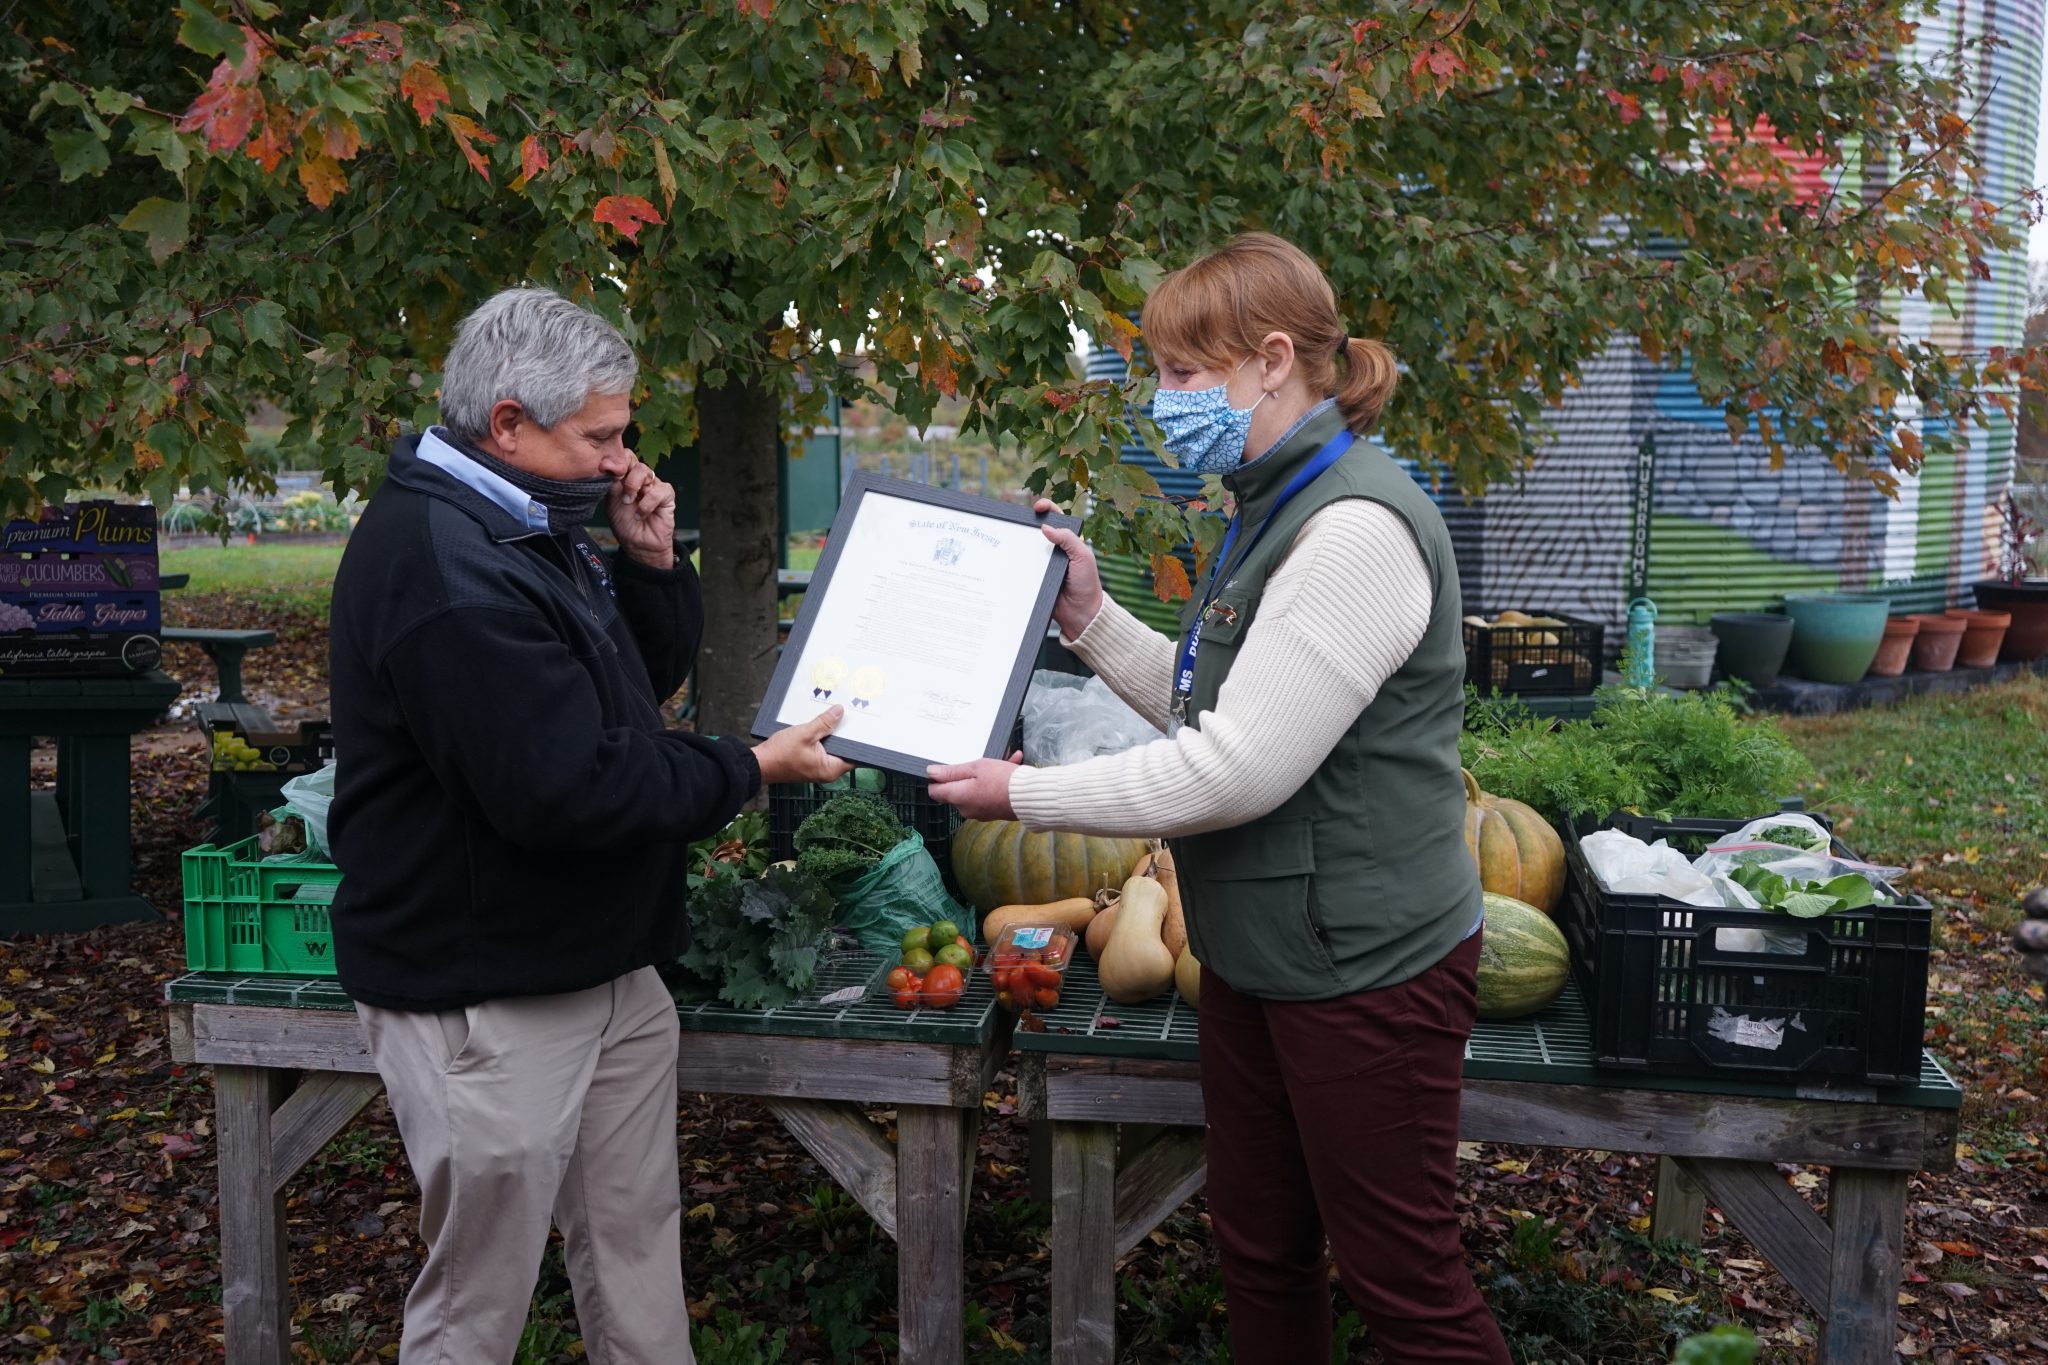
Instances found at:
x=844 y=839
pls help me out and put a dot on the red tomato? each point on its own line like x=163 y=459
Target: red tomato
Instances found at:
x=1000 y=978
x=961 y=939
x=943 y=986
x=1041 y=977
x=902 y=979
x=1045 y=997
x=906 y=1000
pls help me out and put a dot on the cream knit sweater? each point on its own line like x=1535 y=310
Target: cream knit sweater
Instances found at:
x=1341 y=613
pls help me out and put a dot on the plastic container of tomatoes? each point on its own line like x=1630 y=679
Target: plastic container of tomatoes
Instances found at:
x=1027 y=965
x=940 y=987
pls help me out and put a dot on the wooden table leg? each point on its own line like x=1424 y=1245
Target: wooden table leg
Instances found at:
x=255 y=1285
x=1084 y=1243
x=1680 y=1206
x=1867 y=1210
x=933 y=1146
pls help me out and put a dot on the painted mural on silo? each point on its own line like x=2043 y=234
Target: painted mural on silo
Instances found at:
x=1728 y=532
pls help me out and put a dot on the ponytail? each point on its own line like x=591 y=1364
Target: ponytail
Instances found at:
x=1366 y=381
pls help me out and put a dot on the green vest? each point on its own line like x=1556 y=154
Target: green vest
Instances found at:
x=1361 y=878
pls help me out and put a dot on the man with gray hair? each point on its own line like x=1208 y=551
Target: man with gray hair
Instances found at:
x=511 y=819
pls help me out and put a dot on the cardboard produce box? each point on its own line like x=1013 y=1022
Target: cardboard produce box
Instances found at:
x=79 y=592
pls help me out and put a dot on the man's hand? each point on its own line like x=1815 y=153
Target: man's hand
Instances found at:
x=980 y=789
x=798 y=753
x=1081 y=590
x=642 y=511
x=2030 y=935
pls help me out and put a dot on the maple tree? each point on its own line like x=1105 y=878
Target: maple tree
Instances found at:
x=246 y=199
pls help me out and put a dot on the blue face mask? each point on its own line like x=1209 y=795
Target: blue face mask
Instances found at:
x=1204 y=432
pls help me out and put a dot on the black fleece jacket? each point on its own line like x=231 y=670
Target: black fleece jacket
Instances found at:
x=510 y=814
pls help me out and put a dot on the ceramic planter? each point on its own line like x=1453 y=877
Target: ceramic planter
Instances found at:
x=1753 y=645
x=1895 y=648
x=1983 y=634
x=2027 y=604
x=1835 y=635
x=1934 y=648
x=1685 y=656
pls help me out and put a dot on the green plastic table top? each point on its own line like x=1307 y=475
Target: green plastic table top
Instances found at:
x=1554 y=1046
x=872 y=1015
x=140 y=691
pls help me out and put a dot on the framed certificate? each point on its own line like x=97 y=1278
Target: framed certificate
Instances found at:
x=923 y=619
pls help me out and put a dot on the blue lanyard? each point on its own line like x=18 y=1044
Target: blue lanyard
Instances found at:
x=1184 y=676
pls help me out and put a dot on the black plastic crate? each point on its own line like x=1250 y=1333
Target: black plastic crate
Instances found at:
x=1657 y=973
x=1558 y=660
x=791 y=803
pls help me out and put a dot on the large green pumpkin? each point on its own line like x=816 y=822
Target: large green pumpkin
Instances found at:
x=999 y=862
x=1523 y=959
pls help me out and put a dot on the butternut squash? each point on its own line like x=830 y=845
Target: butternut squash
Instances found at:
x=1174 y=930
x=1187 y=978
x=1072 y=914
x=1097 y=936
x=1134 y=965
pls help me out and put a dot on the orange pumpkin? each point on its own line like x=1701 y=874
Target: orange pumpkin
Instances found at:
x=1518 y=853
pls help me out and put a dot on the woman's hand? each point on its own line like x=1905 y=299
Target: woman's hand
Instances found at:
x=797 y=754
x=1081 y=591
x=980 y=789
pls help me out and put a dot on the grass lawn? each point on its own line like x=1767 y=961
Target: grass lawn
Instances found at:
x=1951 y=789
x=291 y=573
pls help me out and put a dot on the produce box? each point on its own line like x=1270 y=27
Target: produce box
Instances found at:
x=79 y=655
x=245 y=915
x=1557 y=654
x=85 y=527
x=300 y=750
x=1679 y=990
x=78 y=592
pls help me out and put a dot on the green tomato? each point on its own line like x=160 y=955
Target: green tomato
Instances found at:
x=942 y=933
x=917 y=940
x=953 y=955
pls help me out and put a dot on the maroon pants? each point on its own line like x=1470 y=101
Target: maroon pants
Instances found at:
x=1338 y=1119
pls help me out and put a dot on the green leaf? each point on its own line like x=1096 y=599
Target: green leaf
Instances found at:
x=160 y=139
x=167 y=222
x=356 y=95
x=79 y=152
x=206 y=32
x=264 y=322
x=110 y=101
x=1809 y=904
x=953 y=158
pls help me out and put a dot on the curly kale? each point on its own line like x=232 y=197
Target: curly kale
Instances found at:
x=755 y=944
x=846 y=837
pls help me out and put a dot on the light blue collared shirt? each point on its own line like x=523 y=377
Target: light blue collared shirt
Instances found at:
x=436 y=450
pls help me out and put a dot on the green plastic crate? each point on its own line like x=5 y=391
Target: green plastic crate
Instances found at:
x=245 y=915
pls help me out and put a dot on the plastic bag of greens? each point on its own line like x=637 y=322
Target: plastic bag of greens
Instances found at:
x=1787 y=864
x=1068 y=719
x=879 y=871
x=310 y=796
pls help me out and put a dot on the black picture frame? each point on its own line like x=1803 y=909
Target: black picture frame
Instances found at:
x=945 y=499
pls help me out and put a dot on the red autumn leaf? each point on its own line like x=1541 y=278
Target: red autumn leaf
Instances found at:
x=323 y=178
x=251 y=60
x=269 y=146
x=1122 y=331
x=340 y=138
x=1170 y=579
x=424 y=87
x=469 y=132
x=1445 y=62
x=935 y=363
x=225 y=112
x=1659 y=72
x=1631 y=108
x=1361 y=28
x=764 y=8
x=626 y=212
x=533 y=159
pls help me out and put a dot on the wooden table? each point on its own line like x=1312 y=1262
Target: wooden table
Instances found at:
x=65 y=859
x=1530 y=1082
x=291 y=1067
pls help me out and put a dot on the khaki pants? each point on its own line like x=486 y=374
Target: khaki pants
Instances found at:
x=516 y=1110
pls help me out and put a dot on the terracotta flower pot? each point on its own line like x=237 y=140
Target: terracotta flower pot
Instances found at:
x=1934 y=648
x=2028 y=603
x=1983 y=633
x=1896 y=647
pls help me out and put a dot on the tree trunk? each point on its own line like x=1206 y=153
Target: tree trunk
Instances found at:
x=738 y=502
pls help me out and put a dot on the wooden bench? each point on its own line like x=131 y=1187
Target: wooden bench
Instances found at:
x=225 y=648
x=292 y=1066
x=1529 y=1082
